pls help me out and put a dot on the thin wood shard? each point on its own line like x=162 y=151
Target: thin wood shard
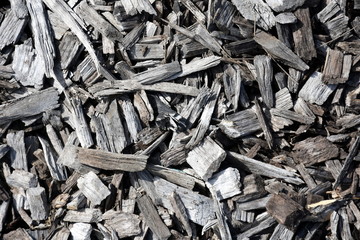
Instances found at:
x=264 y=169
x=264 y=77
x=43 y=38
x=110 y=161
x=279 y=51
x=17 y=150
x=124 y=224
x=11 y=28
x=29 y=106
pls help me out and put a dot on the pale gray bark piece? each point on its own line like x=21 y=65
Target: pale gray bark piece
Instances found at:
x=291 y=115
x=108 y=160
x=201 y=214
x=133 y=6
x=147 y=51
x=194 y=10
x=226 y=183
x=88 y=215
x=315 y=91
x=51 y=158
x=131 y=117
x=302 y=108
x=57 y=24
x=11 y=28
x=114 y=128
x=264 y=223
x=286 y=18
x=62 y=234
x=69 y=48
x=284 y=5
x=92 y=187
x=279 y=51
x=25 y=65
x=240 y=124
x=152 y=218
x=224 y=15
x=144 y=108
x=28 y=106
x=20 y=8
x=281 y=232
x=125 y=224
x=81 y=231
x=16 y=143
x=4 y=206
x=3 y=150
x=157 y=74
x=264 y=77
x=22 y=179
x=205 y=118
x=180 y=212
x=172 y=175
x=254 y=204
x=76 y=25
x=79 y=123
x=264 y=169
x=283 y=99
x=54 y=139
x=43 y=38
x=19 y=233
x=206 y=158
x=77 y=201
x=38 y=203
x=196 y=65
x=344 y=225
x=257 y=11
x=90 y=16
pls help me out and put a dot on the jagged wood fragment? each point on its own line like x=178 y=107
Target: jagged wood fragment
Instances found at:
x=88 y=215
x=285 y=210
x=291 y=115
x=303 y=35
x=314 y=150
x=180 y=212
x=264 y=169
x=344 y=171
x=26 y=65
x=29 y=106
x=259 y=203
x=263 y=222
x=264 y=124
x=226 y=183
x=279 y=51
x=21 y=178
x=333 y=68
x=240 y=124
x=152 y=218
x=283 y=99
x=108 y=160
x=19 y=233
x=200 y=215
x=147 y=51
x=125 y=224
x=133 y=6
x=79 y=122
x=206 y=158
x=69 y=48
x=205 y=118
x=92 y=187
x=257 y=11
x=224 y=14
x=283 y=5
x=38 y=203
x=11 y=28
x=175 y=176
x=51 y=157
x=131 y=117
x=18 y=158
x=43 y=38
x=281 y=232
x=194 y=10
x=264 y=77
x=81 y=231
